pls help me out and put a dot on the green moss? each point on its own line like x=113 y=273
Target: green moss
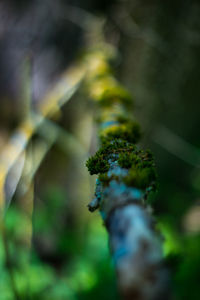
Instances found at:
x=141 y=178
x=126 y=160
x=115 y=94
x=111 y=145
x=139 y=158
x=129 y=132
x=107 y=91
x=115 y=146
x=121 y=118
x=97 y=164
x=141 y=164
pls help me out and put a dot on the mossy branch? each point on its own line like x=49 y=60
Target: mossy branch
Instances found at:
x=126 y=175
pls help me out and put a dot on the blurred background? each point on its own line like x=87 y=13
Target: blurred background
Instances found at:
x=158 y=46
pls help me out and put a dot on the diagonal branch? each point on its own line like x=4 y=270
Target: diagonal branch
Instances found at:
x=48 y=107
x=126 y=176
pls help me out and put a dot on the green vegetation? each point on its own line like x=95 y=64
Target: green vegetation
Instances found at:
x=87 y=274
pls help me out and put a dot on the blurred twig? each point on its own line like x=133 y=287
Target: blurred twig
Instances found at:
x=18 y=142
x=128 y=27
x=49 y=106
x=176 y=145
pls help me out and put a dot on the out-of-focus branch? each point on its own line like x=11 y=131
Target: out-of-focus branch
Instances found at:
x=129 y=28
x=49 y=106
x=12 y=155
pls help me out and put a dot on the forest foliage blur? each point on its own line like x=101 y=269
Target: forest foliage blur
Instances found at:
x=51 y=246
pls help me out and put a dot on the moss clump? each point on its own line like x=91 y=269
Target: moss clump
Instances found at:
x=139 y=159
x=97 y=67
x=140 y=163
x=126 y=160
x=121 y=118
x=97 y=164
x=115 y=113
x=107 y=91
x=115 y=146
x=115 y=94
x=142 y=171
x=129 y=131
x=141 y=178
